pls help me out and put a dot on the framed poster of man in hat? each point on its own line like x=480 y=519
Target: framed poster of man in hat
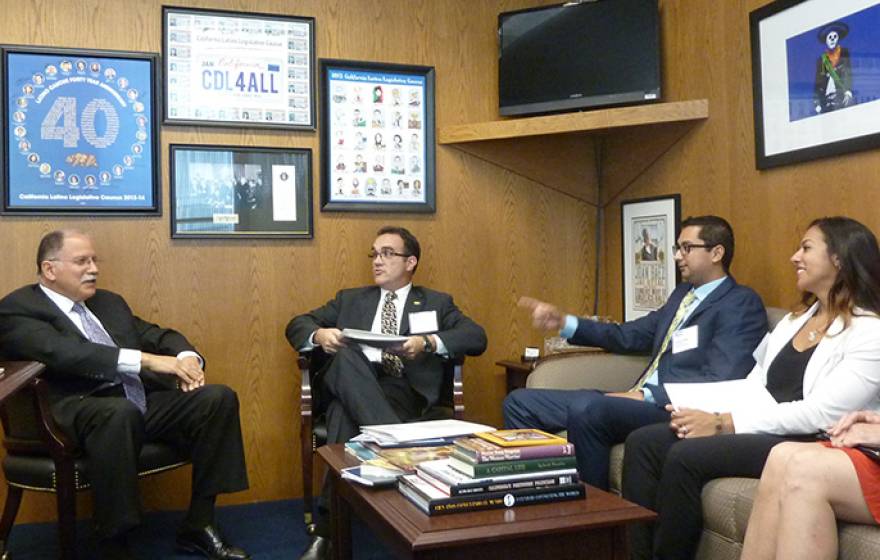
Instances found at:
x=816 y=88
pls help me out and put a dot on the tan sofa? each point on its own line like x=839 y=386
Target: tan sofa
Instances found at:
x=727 y=501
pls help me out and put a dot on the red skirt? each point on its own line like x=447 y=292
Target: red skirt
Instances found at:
x=869 y=478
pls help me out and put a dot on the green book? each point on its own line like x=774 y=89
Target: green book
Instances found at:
x=481 y=470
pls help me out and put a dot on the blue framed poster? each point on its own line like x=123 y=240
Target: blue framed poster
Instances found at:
x=80 y=132
x=377 y=140
x=815 y=79
x=226 y=68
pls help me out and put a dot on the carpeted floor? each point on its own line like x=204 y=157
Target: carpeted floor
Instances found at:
x=268 y=531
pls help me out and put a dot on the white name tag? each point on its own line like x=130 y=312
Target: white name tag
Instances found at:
x=685 y=339
x=423 y=322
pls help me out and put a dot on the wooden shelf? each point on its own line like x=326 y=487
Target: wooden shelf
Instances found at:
x=560 y=151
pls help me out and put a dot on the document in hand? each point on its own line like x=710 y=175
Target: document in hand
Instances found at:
x=378 y=340
x=431 y=429
x=721 y=396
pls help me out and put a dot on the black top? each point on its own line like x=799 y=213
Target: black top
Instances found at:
x=785 y=378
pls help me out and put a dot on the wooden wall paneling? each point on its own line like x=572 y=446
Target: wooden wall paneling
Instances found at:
x=495 y=235
x=564 y=162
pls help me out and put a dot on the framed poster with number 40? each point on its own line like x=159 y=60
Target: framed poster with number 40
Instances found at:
x=80 y=133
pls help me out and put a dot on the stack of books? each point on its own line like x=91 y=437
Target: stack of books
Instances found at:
x=388 y=451
x=496 y=469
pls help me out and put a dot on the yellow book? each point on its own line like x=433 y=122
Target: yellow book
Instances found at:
x=521 y=438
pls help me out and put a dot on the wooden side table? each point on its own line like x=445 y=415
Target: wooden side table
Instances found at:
x=516 y=373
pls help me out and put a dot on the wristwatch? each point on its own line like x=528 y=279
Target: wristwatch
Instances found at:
x=429 y=343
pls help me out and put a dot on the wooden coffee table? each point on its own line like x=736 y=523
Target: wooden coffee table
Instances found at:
x=591 y=528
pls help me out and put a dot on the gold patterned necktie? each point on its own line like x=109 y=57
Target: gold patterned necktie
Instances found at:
x=391 y=363
x=676 y=321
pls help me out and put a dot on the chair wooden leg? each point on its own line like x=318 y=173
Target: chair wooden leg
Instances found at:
x=10 y=510
x=307 y=474
x=66 y=498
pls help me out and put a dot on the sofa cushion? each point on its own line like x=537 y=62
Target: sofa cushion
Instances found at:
x=727 y=503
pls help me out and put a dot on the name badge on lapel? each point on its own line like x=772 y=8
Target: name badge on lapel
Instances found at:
x=423 y=322
x=685 y=339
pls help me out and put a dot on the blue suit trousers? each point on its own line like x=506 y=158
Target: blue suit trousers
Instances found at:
x=595 y=422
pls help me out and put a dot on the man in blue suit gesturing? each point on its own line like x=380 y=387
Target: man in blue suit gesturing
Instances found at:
x=706 y=331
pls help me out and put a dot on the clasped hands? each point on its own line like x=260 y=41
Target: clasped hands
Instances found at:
x=691 y=423
x=188 y=370
x=331 y=340
x=856 y=428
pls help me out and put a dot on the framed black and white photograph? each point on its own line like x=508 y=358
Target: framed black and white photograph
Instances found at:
x=377 y=137
x=226 y=191
x=650 y=227
x=80 y=132
x=238 y=69
x=815 y=79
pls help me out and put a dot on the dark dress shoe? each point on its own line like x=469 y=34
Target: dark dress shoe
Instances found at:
x=207 y=541
x=318 y=550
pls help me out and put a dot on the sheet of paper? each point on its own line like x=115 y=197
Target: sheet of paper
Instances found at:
x=721 y=396
x=284 y=193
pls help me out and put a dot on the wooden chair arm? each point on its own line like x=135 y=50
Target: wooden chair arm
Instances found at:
x=457 y=387
x=304 y=363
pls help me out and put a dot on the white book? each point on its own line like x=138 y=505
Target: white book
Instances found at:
x=411 y=431
x=720 y=396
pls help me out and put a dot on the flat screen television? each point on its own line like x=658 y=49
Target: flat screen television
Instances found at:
x=579 y=55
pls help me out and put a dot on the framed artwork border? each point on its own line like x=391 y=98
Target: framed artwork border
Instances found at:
x=238 y=191
x=93 y=148
x=265 y=77
x=801 y=112
x=387 y=142
x=647 y=286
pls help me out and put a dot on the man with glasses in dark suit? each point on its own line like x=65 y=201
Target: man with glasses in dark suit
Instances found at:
x=706 y=331
x=366 y=385
x=116 y=381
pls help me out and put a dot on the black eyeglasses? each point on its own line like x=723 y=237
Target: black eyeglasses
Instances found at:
x=385 y=254
x=685 y=248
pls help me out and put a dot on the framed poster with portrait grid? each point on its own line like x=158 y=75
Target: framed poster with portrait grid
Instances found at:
x=377 y=137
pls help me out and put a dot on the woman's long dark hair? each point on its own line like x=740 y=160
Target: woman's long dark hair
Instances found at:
x=858 y=276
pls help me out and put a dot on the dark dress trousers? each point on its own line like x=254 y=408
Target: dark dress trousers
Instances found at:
x=90 y=405
x=358 y=392
x=731 y=322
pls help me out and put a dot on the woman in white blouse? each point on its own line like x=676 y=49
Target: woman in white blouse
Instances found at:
x=819 y=363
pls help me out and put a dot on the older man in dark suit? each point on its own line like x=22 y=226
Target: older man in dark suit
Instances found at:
x=706 y=331
x=366 y=385
x=113 y=383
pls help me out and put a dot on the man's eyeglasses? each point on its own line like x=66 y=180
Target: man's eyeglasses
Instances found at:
x=79 y=261
x=385 y=254
x=685 y=248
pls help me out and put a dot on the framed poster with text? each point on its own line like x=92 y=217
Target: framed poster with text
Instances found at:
x=238 y=69
x=377 y=137
x=650 y=227
x=79 y=132
x=226 y=191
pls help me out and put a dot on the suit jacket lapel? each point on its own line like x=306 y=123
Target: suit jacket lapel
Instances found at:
x=415 y=302
x=716 y=294
x=367 y=313
x=61 y=320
